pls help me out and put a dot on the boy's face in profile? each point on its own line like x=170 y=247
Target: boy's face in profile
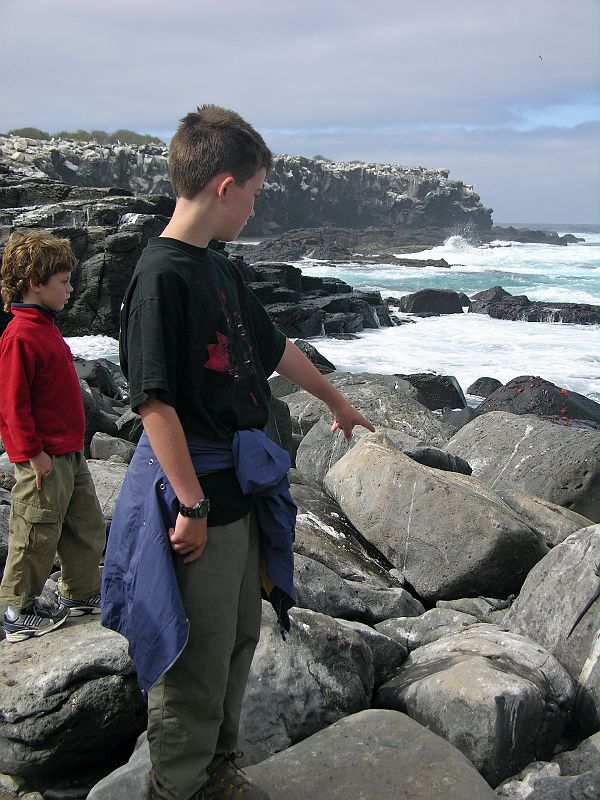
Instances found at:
x=52 y=295
x=240 y=204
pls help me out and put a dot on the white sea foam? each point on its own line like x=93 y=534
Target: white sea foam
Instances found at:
x=92 y=347
x=470 y=346
x=467 y=346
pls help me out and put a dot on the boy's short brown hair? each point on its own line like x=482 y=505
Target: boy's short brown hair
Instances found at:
x=32 y=255
x=212 y=140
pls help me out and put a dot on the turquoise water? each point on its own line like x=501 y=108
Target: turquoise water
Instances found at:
x=543 y=272
x=468 y=346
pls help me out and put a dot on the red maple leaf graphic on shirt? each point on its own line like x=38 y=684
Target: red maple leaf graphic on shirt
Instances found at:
x=218 y=354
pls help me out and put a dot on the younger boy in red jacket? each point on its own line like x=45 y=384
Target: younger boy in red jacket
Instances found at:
x=54 y=505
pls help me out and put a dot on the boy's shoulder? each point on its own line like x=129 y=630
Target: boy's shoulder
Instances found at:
x=165 y=256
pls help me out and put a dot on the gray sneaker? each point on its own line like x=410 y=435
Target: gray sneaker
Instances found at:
x=228 y=782
x=33 y=621
x=77 y=608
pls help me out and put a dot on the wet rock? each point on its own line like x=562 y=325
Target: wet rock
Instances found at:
x=437 y=391
x=432 y=301
x=318 y=359
x=483 y=387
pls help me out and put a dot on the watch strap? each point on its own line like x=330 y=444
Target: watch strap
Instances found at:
x=197 y=511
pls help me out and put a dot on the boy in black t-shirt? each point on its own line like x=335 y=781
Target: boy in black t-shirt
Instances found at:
x=198 y=349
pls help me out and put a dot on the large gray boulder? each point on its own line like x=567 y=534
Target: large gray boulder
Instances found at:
x=320 y=449
x=448 y=534
x=498 y=697
x=555 y=595
x=413 y=632
x=580 y=787
x=104 y=448
x=511 y=452
x=385 y=602
x=554 y=522
x=321 y=672
x=521 y=785
x=67 y=701
x=383 y=399
x=375 y=754
x=387 y=653
x=324 y=534
x=108 y=477
x=584 y=757
x=320 y=589
x=129 y=782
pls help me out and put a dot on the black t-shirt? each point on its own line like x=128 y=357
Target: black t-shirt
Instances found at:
x=195 y=334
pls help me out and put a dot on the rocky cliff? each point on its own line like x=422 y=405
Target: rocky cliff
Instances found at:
x=300 y=192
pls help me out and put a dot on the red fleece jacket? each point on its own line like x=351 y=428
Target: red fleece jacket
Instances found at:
x=41 y=407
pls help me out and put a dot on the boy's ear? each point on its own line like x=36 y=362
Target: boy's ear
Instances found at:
x=223 y=185
x=35 y=285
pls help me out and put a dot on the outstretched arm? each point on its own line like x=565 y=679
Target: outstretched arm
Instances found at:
x=296 y=367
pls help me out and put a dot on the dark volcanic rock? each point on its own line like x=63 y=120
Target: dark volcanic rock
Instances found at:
x=432 y=301
x=299 y=191
x=436 y=391
x=481 y=302
x=300 y=320
x=321 y=363
x=529 y=394
x=483 y=387
x=500 y=304
x=531 y=236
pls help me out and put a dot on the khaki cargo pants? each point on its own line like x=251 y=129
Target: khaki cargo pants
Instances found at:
x=63 y=517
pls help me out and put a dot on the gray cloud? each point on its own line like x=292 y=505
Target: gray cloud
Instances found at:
x=438 y=83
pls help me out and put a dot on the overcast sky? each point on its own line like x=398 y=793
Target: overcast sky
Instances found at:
x=505 y=94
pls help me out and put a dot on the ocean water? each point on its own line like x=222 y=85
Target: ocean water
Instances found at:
x=468 y=346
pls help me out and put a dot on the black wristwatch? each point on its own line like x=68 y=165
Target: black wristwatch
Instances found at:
x=200 y=510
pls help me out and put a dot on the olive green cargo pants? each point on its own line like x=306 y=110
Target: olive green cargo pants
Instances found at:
x=63 y=517
x=194 y=708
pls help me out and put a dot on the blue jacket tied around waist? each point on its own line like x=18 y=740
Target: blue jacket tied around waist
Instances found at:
x=140 y=594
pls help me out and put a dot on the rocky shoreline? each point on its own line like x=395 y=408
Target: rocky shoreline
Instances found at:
x=445 y=641
x=108 y=228
x=447 y=616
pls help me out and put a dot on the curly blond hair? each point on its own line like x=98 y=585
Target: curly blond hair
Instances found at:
x=32 y=255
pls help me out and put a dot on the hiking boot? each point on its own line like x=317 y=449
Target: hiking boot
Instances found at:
x=77 y=608
x=227 y=782
x=33 y=621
